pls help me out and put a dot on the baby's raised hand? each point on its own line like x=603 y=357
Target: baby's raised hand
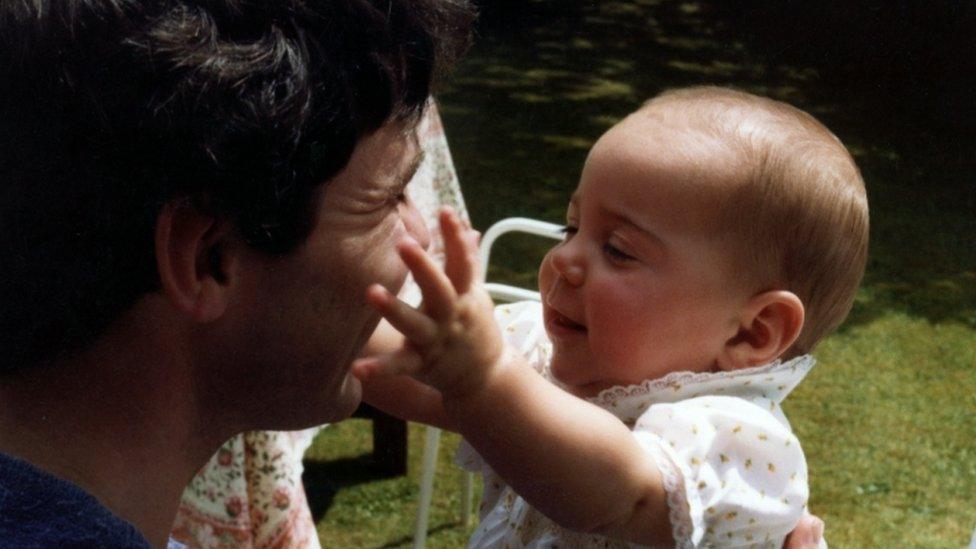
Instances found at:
x=452 y=342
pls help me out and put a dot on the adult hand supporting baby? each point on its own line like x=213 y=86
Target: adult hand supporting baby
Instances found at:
x=808 y=534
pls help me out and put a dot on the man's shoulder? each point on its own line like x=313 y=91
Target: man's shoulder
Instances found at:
x=38 y=509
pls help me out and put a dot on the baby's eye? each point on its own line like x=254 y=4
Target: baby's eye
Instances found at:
x=616 y=254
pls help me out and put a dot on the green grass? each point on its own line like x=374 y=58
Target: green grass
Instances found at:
x=371 y=512
x=888 y=418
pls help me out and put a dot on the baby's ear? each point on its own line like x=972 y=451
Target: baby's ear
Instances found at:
x=768 y=325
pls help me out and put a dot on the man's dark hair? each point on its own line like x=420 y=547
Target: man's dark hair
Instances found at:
x=111 y=108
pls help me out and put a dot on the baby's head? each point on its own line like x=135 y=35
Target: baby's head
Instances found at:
x=711 y=229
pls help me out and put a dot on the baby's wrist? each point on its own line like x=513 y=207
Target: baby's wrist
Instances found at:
x=480 y=381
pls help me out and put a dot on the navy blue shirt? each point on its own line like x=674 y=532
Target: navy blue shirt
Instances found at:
x=38 y=509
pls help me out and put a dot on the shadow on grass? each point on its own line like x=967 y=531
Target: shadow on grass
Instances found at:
x=324 y=479
x=546 y=79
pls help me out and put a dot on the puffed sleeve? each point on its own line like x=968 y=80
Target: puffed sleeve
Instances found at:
x=735 y=475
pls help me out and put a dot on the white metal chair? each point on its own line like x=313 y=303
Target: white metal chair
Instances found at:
x=501 y=292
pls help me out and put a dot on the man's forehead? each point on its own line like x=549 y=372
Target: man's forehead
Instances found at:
x=388 y=147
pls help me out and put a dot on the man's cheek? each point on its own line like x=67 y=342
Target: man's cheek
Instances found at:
x=387 y=269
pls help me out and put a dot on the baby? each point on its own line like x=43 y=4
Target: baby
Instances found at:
x=714 y=238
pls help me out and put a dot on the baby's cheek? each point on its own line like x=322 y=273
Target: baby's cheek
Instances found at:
x=618 y=321
x=546 y=275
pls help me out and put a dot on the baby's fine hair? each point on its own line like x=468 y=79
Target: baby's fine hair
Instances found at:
x=799 y=218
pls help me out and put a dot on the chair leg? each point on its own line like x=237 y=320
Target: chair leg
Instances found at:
x=390 y=444
x=431 y=442
x=466 y=490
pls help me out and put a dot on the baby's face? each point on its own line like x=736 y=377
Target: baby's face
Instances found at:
x=642 y=285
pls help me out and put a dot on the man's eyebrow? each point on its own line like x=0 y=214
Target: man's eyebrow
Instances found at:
x=412 y=168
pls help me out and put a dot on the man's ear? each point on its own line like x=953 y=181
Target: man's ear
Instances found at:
x=768 y=326
x=193 y=260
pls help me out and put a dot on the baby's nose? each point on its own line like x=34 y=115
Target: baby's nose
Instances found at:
x=569 y=264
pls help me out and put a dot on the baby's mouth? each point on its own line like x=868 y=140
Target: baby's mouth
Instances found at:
x=562 y=321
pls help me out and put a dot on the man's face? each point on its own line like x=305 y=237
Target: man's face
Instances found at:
x=305 y=318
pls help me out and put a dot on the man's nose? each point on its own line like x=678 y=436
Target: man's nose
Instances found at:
x=568 y=261
x=414 y=223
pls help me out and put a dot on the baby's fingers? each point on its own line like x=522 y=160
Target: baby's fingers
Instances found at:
x=438 y=291
x=413 y=324
x=460 y=262
x=473 y=238
x=405 y=361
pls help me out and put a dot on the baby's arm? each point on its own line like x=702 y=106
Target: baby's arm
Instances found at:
x=573 y=461
x=408 y=399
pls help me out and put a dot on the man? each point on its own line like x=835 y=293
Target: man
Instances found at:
x=195 y=195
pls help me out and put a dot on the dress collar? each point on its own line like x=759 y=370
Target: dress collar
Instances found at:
x=771 y=382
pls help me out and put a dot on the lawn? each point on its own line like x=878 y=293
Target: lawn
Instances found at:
x=888 y=418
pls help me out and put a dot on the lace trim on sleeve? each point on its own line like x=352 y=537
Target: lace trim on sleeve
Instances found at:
x=683 y=527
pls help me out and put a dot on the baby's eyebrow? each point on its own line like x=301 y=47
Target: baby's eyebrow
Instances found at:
x=644 y=231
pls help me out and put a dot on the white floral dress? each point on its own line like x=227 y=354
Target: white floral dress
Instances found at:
x=734 y=472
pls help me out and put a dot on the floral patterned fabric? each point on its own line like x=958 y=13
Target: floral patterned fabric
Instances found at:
x=250 y=493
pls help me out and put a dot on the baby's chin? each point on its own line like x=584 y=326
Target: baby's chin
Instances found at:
x=569 y=371
x=568 y=378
